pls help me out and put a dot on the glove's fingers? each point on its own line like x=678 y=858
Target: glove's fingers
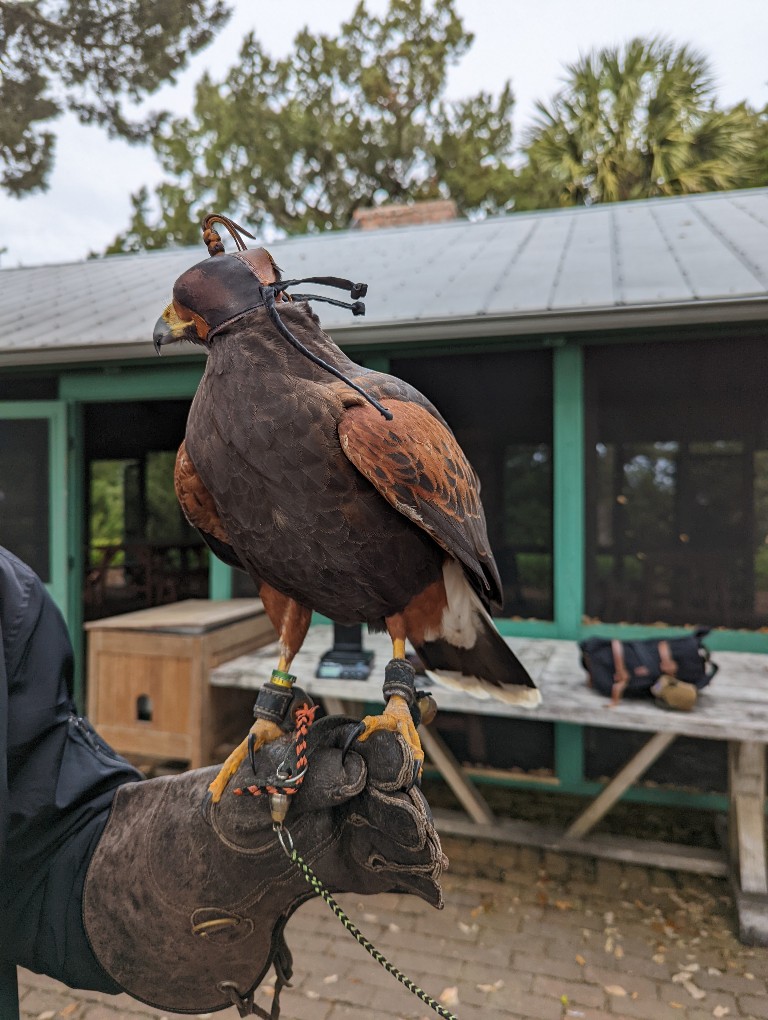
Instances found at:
x=401 y=819
x=328 y=780
x=331 y=780
x=391 y=845
x=390 y=760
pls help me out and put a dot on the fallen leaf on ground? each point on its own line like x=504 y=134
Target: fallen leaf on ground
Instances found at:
x=659 y=958
x=618 y=953
x=580 y=959
x=331 y=979
x=615 y=990
x=468 y=929
x=491 y=988
x=693 y=990
x=449 y=996
x=720 y=1011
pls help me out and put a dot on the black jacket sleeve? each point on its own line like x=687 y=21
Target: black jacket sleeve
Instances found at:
x=57 y=777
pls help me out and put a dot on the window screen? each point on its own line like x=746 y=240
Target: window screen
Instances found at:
x=677 y=483
x=25 y=491
x=499 y=405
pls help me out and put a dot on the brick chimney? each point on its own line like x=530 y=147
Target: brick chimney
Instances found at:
x=437 y=211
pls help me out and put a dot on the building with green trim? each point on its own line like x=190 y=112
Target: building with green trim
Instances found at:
x=605 y=370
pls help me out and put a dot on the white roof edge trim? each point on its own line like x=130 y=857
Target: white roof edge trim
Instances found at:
x=530 y=324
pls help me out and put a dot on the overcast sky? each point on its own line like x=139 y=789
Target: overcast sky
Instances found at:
x=87 y=203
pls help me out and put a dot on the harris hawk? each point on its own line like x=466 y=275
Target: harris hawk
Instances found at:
x=337 y=488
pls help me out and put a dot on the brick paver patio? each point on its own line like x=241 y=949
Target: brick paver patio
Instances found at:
x=524 y=934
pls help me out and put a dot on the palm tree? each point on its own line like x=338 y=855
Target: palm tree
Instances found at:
x=634 y=123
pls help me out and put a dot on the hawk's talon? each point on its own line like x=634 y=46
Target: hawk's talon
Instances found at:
x=206 y=805
x=262 y=732
x=353 y=736
x=396 y=718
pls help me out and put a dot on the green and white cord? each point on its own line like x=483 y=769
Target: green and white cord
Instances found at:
x=286 y=842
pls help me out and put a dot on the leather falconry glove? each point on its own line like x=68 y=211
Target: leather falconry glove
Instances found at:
x=186 y=908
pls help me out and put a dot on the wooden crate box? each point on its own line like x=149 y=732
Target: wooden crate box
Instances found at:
x=148 y=678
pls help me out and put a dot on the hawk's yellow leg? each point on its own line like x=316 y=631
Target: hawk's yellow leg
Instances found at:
x=396 y=717
x=264 y=732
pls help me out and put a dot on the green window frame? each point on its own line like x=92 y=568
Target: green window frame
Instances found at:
x=54 y=412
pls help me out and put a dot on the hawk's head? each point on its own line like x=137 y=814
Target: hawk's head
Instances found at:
x=214 y=293
x=217 y=293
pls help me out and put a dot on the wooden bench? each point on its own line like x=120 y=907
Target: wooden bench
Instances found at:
x=733 y=709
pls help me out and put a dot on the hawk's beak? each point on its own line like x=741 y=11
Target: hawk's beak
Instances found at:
x=170 y=329
x=162 y=334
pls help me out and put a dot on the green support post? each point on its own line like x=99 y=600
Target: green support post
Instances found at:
x=219 y=579
x=569 y=754
x=568 y=484
x=76 y=544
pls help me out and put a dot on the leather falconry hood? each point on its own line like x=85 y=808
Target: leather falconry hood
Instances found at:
x=216 y=293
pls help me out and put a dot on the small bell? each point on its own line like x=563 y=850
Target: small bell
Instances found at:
x=427 y=706
x=278 y=806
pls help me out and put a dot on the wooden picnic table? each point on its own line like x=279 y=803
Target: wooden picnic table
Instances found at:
x=734 y=708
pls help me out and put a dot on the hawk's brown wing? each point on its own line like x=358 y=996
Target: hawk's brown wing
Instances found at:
x=200 y=509
x=416 y=464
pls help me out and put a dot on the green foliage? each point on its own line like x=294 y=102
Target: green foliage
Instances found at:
x=107 y=522
x=84 y=56
x=298 y=144
x=165 y=521
x=115 y=502
x=755 y=168
x=633 y=123
x=528 y=495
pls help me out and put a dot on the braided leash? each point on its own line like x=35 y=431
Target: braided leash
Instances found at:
x=291 y=782
x=278 y=797
x=286 y=842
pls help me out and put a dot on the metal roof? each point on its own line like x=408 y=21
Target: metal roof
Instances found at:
x=692 y=259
